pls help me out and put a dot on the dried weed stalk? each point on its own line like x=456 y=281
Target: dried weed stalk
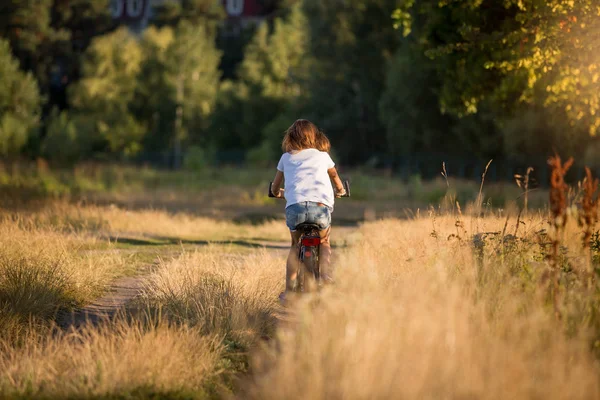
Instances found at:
x=558 y=197
x=445 y=174
x=558 y=208
x=480 y=195
x=523 y=182
x=589 y=205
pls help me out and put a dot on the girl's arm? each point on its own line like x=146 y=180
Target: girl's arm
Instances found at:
x=276 y=186
x=337 y=182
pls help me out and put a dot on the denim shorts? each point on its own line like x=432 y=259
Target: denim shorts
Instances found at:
x=309 y=212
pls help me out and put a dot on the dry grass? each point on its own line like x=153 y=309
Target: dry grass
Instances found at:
x=444 y=306
x=225 y=294
x=416 y=316
x=115 y=222
x=59 y=258
x=154 y=223
x=43 y=271
x=121 y=360
x=200 y=313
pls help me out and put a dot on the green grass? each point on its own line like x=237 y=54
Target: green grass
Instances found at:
x=40 y=181
x=214 y=188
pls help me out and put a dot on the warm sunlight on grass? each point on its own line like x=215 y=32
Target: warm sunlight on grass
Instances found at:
x=226 y=294
x=43 y=271
x=418 y=313
x=120 y=360
x=449 y=304
x=114 y=222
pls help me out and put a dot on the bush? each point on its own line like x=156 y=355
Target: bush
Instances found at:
x=197 y=158
x=19 y=103
x=262 y=155
x=64 y=142
x=13 y=135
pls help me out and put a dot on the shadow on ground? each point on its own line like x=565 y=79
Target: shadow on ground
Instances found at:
x=257 y=243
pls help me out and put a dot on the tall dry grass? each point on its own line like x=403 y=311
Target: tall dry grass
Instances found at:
x=445 y=306
x=116 y=223
x=230 y=295
x=121 y=360
x=419 y=312
x=43 y=271
x=198 y=316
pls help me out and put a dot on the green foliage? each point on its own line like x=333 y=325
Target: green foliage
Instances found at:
x=105 y=93
x=350 y=44
x=523 y=132
x=269 y=82
x=513 y=78
x=198 y=158
x=196 y=12
x=80 y=21
x=179 y=76
x=261 y=155
x=409 y=107
x=13 y=135
x=63 y=139
x=512 y=61
x=192 y=67
x=19 y=103
x=28 y=27
x=272 y=59
x=227 y=128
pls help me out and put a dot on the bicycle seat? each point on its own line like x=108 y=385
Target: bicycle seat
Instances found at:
x=307 y=227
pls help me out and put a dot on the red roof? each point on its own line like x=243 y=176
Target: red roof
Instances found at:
x=243 y=8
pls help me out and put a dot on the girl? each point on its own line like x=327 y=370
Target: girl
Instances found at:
x=308 y=171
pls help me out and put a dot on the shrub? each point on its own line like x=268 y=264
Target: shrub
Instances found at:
x=198 y=158
x=20 y=103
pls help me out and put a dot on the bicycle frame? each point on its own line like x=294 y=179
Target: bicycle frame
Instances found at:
x=309 y=246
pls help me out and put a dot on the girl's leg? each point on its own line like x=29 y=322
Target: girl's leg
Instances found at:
x=291 y=276
x=325 y=256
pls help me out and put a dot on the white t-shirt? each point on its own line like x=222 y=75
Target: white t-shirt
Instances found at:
x=306 y=177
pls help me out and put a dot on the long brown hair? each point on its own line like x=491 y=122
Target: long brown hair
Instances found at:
x=323 y=143
x=303 y=134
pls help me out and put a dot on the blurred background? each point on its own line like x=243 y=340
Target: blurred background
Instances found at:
x=399 y=86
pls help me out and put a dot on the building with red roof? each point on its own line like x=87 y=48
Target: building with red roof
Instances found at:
x=137 y=13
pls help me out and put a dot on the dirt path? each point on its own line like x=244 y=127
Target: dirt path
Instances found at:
x=125 y=289
x=121 y=291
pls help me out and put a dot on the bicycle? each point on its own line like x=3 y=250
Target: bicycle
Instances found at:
x=309 y=245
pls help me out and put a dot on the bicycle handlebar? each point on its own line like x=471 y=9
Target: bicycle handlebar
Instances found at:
x=345 y=183
x=347 y=187
x=271 y=194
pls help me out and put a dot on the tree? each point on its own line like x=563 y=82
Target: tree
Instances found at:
x=515 y=58
x=351 y=42
x=69 y=137
x=20 y=103
x=49 y=36
x=82 y=20
x=27 y=26
x=178 y=84
x=197 y=12
x=409 y=107
x=270 y=79
x=105 y=93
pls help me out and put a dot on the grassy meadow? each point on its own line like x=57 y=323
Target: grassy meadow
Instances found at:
x=238 y=194
x=453 y=296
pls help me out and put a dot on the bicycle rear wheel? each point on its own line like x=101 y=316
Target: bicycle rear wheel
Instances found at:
x=312 y=273
x=300 y=278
